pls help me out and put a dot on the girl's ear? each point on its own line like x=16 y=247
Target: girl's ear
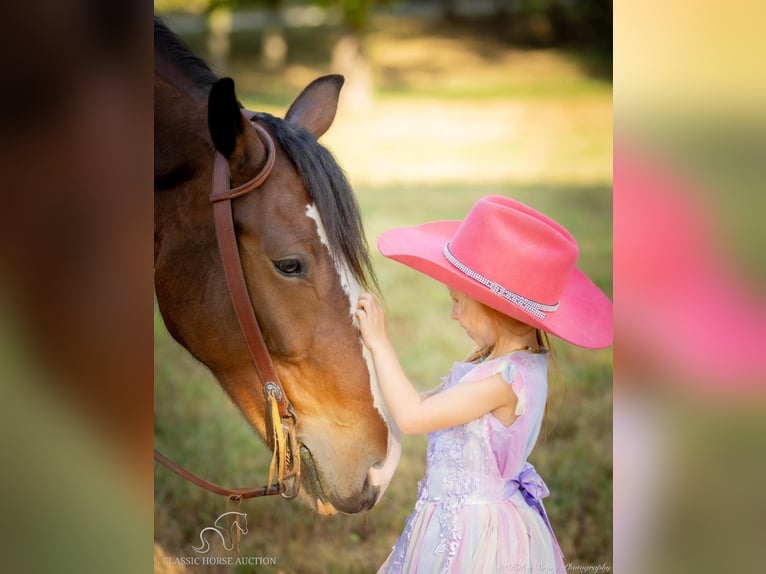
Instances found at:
x=314 y=109
x=224 y=117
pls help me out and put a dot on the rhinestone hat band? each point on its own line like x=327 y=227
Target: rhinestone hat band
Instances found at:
x=532 y=307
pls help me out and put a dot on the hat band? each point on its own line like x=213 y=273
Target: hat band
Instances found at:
x=532 y=307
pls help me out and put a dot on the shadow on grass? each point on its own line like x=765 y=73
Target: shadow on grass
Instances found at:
x=491 y=35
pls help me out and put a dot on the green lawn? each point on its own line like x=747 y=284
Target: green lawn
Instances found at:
x=428 y=150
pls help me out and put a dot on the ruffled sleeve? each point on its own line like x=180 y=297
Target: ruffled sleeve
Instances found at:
x=510 y=373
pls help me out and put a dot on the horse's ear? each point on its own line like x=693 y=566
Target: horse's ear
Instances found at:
x=315 y=108
x=224 y=117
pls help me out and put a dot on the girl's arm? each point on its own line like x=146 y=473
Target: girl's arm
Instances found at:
x=415 y=414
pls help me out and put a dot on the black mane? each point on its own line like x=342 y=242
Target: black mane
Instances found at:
x=332 y=194
x=324 y=179
x=173 y=49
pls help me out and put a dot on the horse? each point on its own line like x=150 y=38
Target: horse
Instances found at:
x=304 y=260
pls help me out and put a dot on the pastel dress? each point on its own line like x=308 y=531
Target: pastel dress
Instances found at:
x=479 y=508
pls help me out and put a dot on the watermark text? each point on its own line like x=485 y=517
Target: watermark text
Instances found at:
x=571 y=568
x=221 y=560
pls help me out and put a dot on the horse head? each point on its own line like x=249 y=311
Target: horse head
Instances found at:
x=304 y=259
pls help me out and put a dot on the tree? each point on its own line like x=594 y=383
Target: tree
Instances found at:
x=220 y=21
x=348 y=55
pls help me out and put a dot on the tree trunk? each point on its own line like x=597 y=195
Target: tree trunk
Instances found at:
x=219 y=24
x=450 y=10
x=349 y=60
x=274 y=44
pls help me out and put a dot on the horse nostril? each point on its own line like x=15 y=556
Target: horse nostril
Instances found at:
x=370 y=494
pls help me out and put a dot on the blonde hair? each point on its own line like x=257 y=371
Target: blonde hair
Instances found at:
x=503 y=322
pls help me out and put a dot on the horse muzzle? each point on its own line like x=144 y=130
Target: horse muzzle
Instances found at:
x=322 y=494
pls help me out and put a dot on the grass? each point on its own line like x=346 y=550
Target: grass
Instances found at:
x=528 y=124
x=199 y=426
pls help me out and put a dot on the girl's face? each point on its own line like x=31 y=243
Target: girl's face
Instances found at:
x=473 y=319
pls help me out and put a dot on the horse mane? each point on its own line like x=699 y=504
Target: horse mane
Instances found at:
x=175 y=50
x=326 y=183
x=332 y=194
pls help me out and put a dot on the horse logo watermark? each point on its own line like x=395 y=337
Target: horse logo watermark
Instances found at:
x=224 y=531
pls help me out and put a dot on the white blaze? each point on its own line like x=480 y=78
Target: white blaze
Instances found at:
x=381 y=476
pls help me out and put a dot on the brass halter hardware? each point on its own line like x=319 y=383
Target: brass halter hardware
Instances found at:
x=280 y=417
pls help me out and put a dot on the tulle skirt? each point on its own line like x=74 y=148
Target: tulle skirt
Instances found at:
x=475 y=538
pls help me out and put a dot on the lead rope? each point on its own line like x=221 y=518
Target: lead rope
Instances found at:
x=278 y=456
x=239 y=532
x=235 y=539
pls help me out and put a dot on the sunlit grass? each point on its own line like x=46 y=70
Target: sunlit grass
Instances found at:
x=529 y=125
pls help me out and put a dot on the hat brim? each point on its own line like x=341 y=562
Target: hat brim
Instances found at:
x=584 y=316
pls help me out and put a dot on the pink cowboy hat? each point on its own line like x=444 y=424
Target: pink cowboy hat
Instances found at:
x=513 y=259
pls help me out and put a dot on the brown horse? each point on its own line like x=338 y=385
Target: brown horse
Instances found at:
x=304 y=259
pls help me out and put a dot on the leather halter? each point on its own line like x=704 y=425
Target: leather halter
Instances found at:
x=279 y=414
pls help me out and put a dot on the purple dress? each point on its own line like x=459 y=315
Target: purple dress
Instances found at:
x=479 y=508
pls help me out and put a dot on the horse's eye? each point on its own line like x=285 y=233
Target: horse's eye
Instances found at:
x=289 y=267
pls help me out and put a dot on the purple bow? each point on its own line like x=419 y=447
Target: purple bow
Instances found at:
x=534 y=490
x=529 y=483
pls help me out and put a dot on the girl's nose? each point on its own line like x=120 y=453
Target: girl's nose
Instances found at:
x=455 y=310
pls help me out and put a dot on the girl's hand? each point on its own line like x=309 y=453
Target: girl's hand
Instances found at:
x=372 y=321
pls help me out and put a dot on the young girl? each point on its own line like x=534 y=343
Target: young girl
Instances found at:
x=511 y=274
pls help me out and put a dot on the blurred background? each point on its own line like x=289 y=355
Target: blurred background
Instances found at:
x=444 y=102
x=689 y=279
x=77 y=337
